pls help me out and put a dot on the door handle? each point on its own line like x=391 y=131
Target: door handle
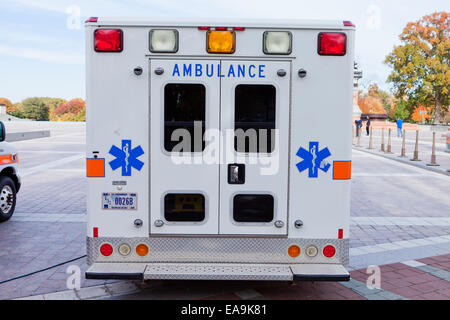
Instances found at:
x=236 y=173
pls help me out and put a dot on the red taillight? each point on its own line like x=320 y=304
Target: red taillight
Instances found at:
x=238 y=28
x=329 y=251
x=332 y=44
x=203 y=28
x=108 y=40
x=91 y=19
x=106 y=249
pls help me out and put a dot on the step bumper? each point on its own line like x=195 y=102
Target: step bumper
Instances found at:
x=218 y=271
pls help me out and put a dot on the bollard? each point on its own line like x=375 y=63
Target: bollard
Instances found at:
x=370 y=140
x=448 y=140
x=389 y=147
x=433 y=162
x=382 y=140
x=416 y=148
x=403 y=155
x=359 y=138
x=353 y=136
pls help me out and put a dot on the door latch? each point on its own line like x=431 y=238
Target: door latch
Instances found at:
x=236 y=173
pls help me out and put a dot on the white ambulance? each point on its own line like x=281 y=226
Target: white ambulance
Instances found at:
x=9 y=176
x=218 y=150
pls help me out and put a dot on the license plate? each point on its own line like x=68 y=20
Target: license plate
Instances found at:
x=119 y=201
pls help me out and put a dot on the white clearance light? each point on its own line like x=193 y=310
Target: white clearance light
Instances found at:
x=164 y=41
x=124 y=249
x=277 y=42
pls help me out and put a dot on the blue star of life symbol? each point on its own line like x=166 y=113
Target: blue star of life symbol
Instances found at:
x=313 y=160
x=126 y=158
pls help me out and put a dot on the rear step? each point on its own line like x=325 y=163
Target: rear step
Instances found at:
x=229 y=271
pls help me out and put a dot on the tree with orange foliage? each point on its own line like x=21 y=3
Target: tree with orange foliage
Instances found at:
x=370 y=104
x=7 y=103
x=420 y=64
x=421 y=113
x=73 y=110
x=375 y=101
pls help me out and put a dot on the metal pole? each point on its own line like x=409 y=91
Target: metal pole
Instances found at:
x=359 y=138
x=448 y=140
x=382 y=139
x=416 y=148
x=433 y=153
x=389 y=147
x=370 y=140
x=403 y=155
x=353 y=136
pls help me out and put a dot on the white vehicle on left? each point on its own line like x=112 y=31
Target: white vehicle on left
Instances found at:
x=9 y=176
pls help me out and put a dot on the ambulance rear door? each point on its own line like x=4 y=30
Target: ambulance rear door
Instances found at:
x=255 y=100
x=184 y=186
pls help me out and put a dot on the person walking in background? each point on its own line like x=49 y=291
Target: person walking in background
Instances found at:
x=399 y=128
x=368 y=126
x=358 y=124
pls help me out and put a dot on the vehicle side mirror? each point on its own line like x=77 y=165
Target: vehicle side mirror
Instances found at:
x=2 y=132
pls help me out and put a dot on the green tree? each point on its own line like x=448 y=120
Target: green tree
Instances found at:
x=401 y=111
x=52 y=104
x=421 y=70
x=16 y=110
x=35 y=108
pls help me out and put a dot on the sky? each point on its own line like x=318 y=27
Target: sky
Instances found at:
x=42 y=41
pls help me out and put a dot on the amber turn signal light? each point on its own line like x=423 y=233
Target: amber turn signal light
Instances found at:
x=220 y=41
x=142 y=250
x=294 y=251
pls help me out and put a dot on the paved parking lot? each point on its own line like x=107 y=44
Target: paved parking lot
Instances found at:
x=400 y=221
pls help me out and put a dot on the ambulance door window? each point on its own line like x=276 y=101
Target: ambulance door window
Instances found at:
x=184 y=207
x=184 y=113
x=253 y=208
x=254 y=115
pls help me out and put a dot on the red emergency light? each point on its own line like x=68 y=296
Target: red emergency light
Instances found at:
x=92 y=20
x=332 y=44
x=108 y=40
x=349 y=24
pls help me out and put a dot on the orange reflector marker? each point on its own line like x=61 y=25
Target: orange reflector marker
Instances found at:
x=220 y=41
x=95 y=168
x=7 y=159
x=294 y=251
x=342 y=170
x=142 y=250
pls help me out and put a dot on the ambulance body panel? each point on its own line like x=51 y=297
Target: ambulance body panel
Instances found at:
x=10 y=181
x=138 y=179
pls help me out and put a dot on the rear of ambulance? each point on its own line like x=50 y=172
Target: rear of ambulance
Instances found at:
x=218 y=149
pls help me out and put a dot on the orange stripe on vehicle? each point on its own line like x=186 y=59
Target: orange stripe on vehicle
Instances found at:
x=342 y=170
x=95 y=168
x=7 y=159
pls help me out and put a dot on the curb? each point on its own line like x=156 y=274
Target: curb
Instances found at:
x=20 y=136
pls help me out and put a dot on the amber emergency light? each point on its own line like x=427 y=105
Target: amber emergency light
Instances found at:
x=220 y=41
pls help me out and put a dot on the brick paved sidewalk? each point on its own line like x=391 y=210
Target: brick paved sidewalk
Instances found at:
x=423 y=279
